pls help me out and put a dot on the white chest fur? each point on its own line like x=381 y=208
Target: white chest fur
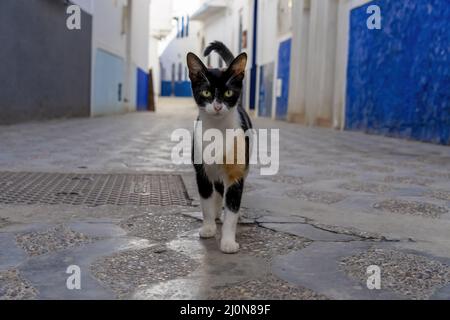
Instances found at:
x=214 y=172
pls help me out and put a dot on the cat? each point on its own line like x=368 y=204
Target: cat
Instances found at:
x=218 y=95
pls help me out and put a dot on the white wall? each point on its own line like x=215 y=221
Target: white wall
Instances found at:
x=319 y=81
x=267 y=32
x=177 y=49
x=140 y=34
x=86 y=5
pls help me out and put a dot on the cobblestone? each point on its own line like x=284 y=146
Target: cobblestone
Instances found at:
x=412 y=276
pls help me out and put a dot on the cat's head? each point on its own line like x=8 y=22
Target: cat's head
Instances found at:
x=216 y=91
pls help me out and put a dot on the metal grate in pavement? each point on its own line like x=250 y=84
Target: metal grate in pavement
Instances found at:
x=92 y=189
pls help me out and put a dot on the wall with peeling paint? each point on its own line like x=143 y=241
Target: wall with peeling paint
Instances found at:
x=398 y=80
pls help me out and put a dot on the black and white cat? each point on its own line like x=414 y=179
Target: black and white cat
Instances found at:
x=217 y=93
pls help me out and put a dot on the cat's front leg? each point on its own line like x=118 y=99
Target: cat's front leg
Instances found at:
x=233 y=198
x=208 y=204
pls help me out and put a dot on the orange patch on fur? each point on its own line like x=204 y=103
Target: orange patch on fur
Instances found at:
x=235 y=170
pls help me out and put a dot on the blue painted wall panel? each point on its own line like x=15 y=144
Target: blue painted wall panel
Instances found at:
x=399 y=77
x=183 y=89
x=142 y=90
x=108 y=83
x=166 y=88
x=283 y=73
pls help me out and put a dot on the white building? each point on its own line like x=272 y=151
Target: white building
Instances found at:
x=204 y=21
x=120 y=54
x=161 y=16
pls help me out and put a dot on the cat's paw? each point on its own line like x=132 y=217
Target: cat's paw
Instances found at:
x=229 y=246
x=208 y=231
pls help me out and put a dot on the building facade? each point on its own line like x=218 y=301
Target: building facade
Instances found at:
x=99 y=68
x=46 y=69
x=324 y=63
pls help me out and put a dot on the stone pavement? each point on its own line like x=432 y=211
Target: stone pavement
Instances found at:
x=341 y=202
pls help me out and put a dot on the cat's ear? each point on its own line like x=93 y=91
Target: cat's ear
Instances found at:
x=197 y=69
x=237 y=67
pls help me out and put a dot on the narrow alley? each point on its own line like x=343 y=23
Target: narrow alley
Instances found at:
x=103 y=194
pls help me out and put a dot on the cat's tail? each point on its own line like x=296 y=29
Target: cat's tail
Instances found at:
x=221 y=49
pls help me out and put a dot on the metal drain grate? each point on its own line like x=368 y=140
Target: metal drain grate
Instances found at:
x=92 y=189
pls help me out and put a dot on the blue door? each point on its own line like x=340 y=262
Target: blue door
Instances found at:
x=142 y=90
x=283 y=72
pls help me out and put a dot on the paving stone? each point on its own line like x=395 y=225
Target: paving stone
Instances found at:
x=287 y=179
x=358 y=186
x=317 y=267
x=414 y=208
x=330 y=174
x=10 y=254
x=252 y=186
x=349 y=231
x=53 y=239
x=413 y=276
x=324 y=197
x=269 y=288
x=253 y=214
x=159 y=227
x=4 y=222
x=14 y=287
x=281 y=219
x=408 y=180
x=434 y=174
x=262 y=242
x=378 y=169
x=308 y=231
x=439 y=194
x=123 y=272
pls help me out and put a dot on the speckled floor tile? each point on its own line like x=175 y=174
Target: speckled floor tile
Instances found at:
x=358 y=186
x=324 y=197
x=53 y=239
x=335 y=174
x=159 y=227
x=410 y=275
x=267 y=243
x=125 y=271
x=269 y=288
x=287 y=179
x=378 y=169
x=408 y=180
x=439 y=194
x=4 y=222
x=414 y=208
x=14 y=287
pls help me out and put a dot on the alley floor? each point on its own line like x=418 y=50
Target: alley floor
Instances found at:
x=102 y=194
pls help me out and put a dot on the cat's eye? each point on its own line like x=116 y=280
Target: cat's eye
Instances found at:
x=206 y=93
x=229 y=93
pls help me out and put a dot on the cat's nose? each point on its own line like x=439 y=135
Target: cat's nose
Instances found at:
x=217 y=107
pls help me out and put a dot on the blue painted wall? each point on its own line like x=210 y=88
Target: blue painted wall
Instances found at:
x=266 y=75
x=166 y=88
x=183 y=89
x=142 y=90
x=108 y=83
x=399 y=77
x=283 y=73
x=179 y=89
